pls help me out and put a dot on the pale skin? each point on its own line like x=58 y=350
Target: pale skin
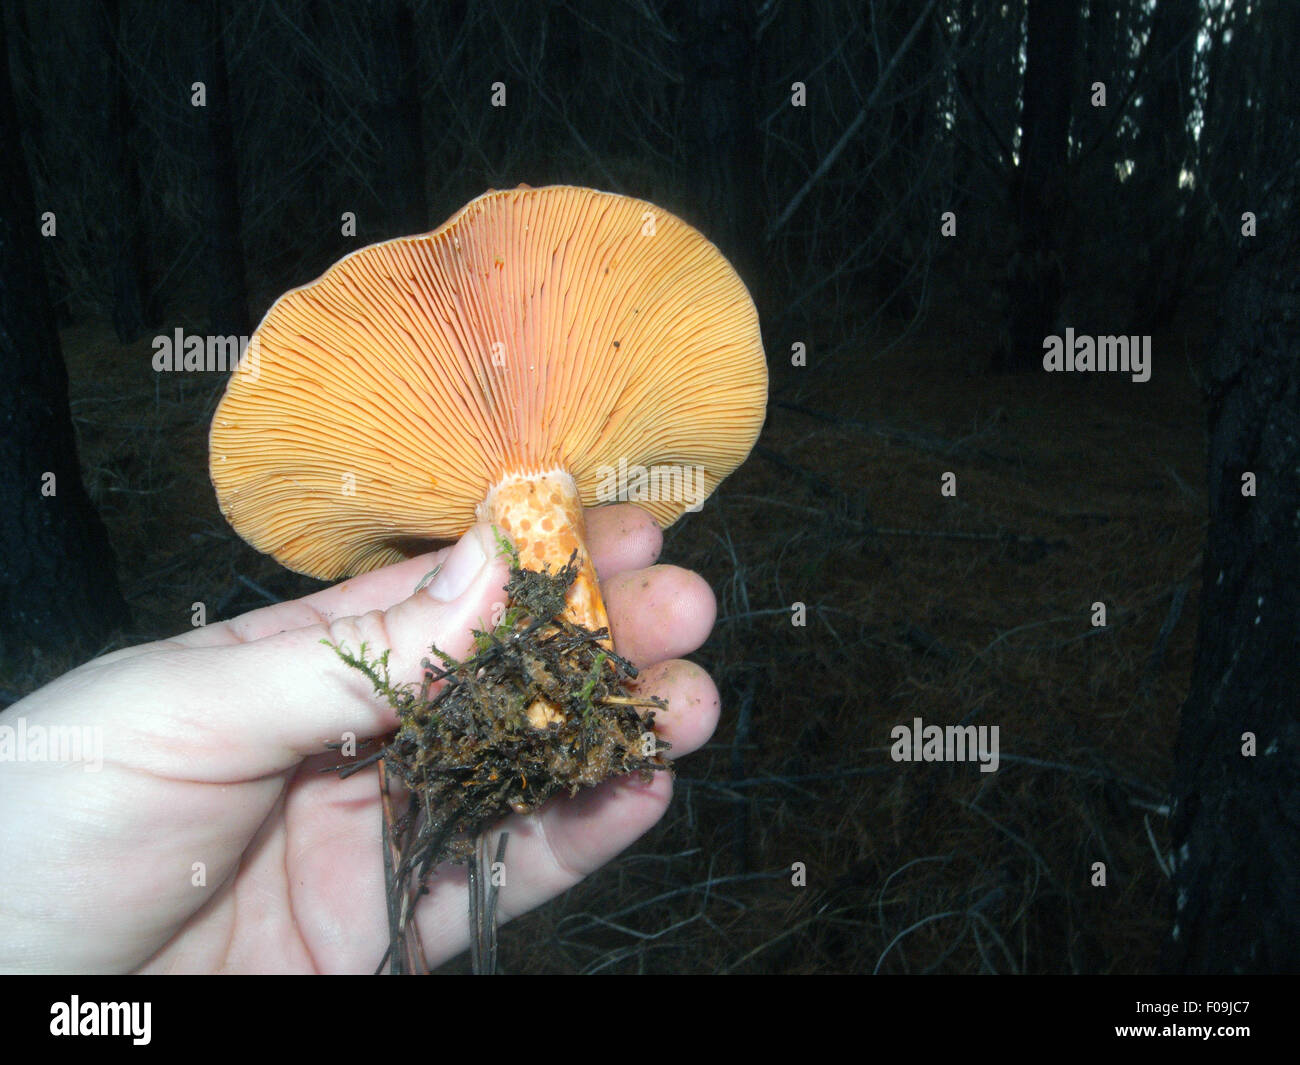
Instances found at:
x=212 y=745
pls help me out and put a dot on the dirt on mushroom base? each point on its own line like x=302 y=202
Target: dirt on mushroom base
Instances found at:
x=467 y=755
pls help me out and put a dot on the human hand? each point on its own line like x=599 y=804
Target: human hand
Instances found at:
x=212 y=748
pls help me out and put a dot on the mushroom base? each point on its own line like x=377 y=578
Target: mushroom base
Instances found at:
x=468 y=754
x=542 y=514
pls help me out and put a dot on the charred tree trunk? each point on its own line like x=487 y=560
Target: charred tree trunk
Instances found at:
x=227 y=289
x=58 y=584
x=25 y=72
x=122 y=214
x=397 y=120
x=897 y=278
x=1039 y=197
x=1236 y=828
x=719 y=60
x=1164 y=147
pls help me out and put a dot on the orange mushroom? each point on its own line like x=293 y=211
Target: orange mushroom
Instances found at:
x=508 y=366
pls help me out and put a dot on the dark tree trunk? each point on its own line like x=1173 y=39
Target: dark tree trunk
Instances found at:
x=122 y=214
x=1224 y=137
x=1164 y=148
x=966 y=74
x=25 y=73
x=719 y=61
x=1039 y=195
x=897 y=278
x=58 y=584
x=1250 y=110
x=1236 y=826
x=397 y=120
x=227 y=290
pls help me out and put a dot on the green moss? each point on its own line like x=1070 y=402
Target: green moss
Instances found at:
x=465 y=748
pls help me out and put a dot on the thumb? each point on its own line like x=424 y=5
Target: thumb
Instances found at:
x=276 y=700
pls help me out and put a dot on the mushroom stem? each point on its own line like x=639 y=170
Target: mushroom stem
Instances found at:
x=542 y=515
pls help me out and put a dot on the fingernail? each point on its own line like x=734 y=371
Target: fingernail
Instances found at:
x=459 y=568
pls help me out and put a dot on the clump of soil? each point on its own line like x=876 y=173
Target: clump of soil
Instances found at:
x=468 y=754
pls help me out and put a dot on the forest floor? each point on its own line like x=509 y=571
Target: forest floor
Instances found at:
x=975 y=609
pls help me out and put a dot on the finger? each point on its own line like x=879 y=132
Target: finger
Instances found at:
x=569 y=838
x=693 y=703
x=284 y=696
x=622 y=536
x=335 y=858
x=659 y=613
x=377 y=590
x=334 y=843
x=547 y=853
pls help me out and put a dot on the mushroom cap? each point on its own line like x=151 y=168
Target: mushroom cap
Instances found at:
x=537 y=329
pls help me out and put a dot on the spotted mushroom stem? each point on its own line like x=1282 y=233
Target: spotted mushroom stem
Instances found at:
x=542 y=515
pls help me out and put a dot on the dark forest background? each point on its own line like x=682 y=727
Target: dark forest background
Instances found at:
x=1115 y=166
